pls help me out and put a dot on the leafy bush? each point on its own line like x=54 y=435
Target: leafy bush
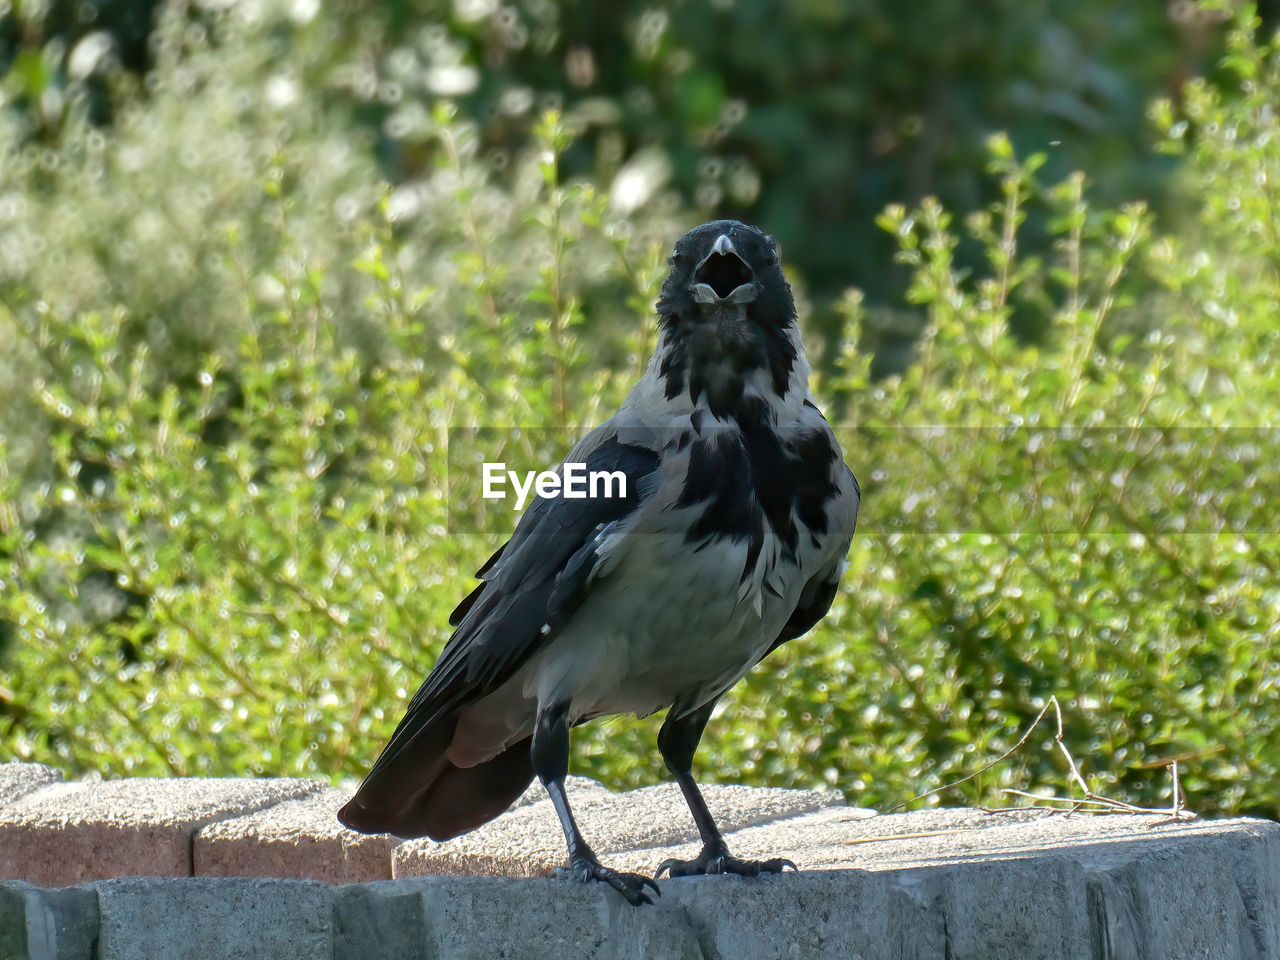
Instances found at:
x=245 y=565
x=152 y=297
x=808 y=116
x=1094 y=519
x=231 y=169
x=261 y=547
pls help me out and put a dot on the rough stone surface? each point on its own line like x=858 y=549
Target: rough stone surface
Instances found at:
x=42 y=924
x=1208 y=900
x=1113 y=887
x=73 y=832
x=791 y=838
x=215 y=918
x=961 y=884
x=384 y=920
x=19 y=779
x=847 y=838
x=848 y=914
x=296 y=838
x=537 y=919
x=956 y=884
x=527 y=841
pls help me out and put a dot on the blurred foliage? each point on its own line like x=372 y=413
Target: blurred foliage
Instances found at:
x=1094 y=519
x=261 y=547
x=225 y=537
x=228 y=171
x=808 y=116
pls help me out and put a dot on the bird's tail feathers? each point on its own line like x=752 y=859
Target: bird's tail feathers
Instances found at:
x=417 y=792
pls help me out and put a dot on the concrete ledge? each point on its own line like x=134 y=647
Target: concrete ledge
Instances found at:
x=1205 y=891
x=528 y=841
x=955 y=884
x=19 y=779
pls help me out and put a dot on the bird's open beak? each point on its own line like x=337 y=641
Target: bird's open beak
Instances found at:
x=723 y=276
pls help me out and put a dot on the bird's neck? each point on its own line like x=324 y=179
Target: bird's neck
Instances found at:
x=690 y=374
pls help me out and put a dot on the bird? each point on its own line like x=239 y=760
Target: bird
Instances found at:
x=728 y=539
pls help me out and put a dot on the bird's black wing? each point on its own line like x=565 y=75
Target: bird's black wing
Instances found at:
x=528 y=589
x=819 y=590
x=815 y=601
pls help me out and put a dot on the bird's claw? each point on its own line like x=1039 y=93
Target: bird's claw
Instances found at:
x=630 y=885
x=713 y=862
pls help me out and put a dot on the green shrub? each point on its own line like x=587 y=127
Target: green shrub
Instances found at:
x=262 y=548
x=809 y=116
x=235 y=165
x=1094 y=519
x=245 y=564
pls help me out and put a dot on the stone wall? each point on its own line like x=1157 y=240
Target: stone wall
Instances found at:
x=158 y=869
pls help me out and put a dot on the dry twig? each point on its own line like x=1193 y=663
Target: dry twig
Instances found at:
x=1091 y=802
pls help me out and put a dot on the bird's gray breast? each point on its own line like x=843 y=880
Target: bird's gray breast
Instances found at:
x=702 y=582
x=672 y=624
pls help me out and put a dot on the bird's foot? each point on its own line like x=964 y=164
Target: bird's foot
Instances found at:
x=717 y=859
x=630 y=885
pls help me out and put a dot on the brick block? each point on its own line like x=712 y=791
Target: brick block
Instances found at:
x=480 y=918
x=74 y=832
x=296 y=838
x=214 y=918
x=380 y=920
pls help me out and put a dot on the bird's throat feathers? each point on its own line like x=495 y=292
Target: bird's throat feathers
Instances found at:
x=733 y=362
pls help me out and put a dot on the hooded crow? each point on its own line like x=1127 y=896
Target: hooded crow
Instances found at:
x=729 y=541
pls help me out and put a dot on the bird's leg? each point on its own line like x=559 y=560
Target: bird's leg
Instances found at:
x=677 y=741
x=551 y=763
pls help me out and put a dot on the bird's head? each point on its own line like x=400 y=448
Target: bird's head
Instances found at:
x=724 y=264
x=727 y=315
